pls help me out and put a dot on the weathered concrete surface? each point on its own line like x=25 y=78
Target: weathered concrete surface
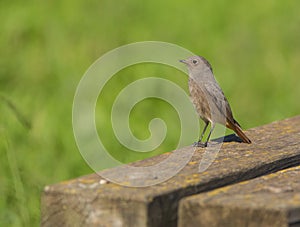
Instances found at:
x=272 y=200
x=89 y=201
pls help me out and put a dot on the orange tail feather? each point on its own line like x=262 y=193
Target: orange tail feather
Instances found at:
x=239 y=131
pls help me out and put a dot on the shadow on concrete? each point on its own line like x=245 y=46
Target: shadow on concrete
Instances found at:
x=228 y=139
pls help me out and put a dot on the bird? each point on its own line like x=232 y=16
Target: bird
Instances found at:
x=209 y=100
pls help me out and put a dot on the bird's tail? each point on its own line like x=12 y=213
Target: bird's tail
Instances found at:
x=236 y=127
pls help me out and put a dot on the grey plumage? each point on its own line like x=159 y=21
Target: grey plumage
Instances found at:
x=209 y=99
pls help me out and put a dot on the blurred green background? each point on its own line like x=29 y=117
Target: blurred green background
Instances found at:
x=46 y=46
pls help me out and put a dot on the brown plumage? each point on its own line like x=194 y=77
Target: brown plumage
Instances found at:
x=209 y=99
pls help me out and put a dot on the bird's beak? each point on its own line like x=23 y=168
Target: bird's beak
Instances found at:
x=183 y=61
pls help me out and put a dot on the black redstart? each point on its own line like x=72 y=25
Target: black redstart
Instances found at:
x=209 y=99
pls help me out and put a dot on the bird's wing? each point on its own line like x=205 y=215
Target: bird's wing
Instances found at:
x=218 y=100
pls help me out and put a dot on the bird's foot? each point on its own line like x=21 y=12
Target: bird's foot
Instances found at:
x=200 y=144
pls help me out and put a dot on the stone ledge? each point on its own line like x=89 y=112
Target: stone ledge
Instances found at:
x=90 y=200
x=271 y=200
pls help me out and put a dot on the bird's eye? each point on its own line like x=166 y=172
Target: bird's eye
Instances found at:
x=195 y=61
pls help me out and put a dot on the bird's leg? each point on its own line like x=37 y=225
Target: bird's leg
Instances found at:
x=199 y=143
x=210 y=132
x=202 y=134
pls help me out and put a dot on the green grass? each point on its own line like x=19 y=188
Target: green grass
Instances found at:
x=46 y=46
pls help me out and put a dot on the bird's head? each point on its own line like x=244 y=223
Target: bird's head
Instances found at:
x=197 y=63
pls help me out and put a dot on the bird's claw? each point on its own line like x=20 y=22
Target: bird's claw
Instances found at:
x=200 y=144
